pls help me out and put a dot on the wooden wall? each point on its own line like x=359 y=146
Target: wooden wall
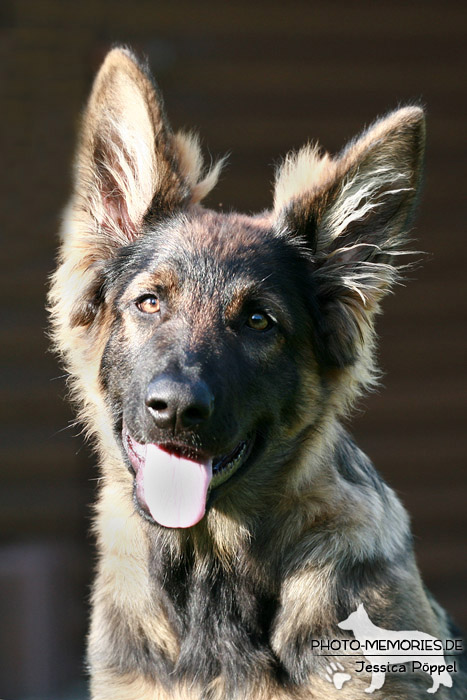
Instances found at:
x=256 y=79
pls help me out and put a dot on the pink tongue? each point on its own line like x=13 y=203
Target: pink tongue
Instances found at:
x=173 y=488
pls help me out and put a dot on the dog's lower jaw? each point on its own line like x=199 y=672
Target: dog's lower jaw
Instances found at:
x=174 y=484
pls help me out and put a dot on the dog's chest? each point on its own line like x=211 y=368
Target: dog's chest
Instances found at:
x=223 y=621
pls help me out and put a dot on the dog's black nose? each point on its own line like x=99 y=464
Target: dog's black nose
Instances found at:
x=179 y=405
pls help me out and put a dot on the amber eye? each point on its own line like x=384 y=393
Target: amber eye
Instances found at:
x=259 y=321
x=149 y=304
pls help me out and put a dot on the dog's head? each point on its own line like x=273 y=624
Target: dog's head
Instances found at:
x=209 y=345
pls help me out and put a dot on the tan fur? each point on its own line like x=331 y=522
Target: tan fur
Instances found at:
x=301 y=173
x=191 y=166
x=309 y=170
x=130 y=169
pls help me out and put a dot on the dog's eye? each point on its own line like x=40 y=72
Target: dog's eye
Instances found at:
x=259 y=321
x=148 y=304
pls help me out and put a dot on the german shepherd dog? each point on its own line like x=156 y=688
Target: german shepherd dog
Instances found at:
x=213 y=356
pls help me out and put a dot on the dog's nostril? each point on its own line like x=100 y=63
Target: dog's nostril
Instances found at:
x=163 y=411
x=157 y=405
x=194 y=415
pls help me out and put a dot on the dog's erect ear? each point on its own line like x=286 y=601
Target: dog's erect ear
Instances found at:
x=126 y=156
x=129 y=163
x=352 y=214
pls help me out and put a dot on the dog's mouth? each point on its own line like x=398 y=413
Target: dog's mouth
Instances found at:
x=173 y=481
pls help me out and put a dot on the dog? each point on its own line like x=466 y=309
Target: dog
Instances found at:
x=212 y=357
x=399 y=648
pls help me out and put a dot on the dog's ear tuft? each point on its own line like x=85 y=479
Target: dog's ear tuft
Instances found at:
x=299 y=175
x=352 y=218
x=191 y=162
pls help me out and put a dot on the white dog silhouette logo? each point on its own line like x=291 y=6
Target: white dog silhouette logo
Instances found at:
x=370 y=638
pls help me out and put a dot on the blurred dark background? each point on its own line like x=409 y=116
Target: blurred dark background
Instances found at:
x=256 y=79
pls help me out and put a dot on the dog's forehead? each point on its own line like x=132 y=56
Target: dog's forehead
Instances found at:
x=224 y=235
x=226 y=245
